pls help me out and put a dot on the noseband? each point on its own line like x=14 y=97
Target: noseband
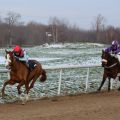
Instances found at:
x=111 y=65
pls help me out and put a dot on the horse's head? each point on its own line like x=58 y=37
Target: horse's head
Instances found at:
x=9 y=59
x=108 y=59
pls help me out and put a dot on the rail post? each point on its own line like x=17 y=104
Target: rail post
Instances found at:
x=60 y=80
x=87 y=79
x=111 y=85
x=0 y=77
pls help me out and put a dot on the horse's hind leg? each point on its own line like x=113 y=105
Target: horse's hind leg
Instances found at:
x=8 y=82
x=33 y=82
x=32 y=78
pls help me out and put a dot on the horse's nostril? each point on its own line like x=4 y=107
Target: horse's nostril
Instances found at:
x=7 y=67
x=104 y=63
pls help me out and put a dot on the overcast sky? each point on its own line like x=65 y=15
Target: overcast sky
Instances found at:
x=79 y=12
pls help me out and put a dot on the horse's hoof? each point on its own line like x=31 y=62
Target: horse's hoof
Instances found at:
x=26 y=97
x=2 y=100
x=98 y=90
x=2 y=97
x=23 y=102
x=118 y=89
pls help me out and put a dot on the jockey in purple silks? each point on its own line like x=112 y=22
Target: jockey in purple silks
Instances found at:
x=114 y=49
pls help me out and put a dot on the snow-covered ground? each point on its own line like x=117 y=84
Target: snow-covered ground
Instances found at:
x=62 y=55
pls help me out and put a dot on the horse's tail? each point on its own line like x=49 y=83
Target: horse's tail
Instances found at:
x=43 y=76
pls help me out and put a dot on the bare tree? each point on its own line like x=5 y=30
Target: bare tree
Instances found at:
x=99 y=25
x=58 y=28
x=12 y=19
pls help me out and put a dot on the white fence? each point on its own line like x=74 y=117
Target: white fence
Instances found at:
x=60 y=68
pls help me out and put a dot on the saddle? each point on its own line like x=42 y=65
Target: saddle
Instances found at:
x=31 y=64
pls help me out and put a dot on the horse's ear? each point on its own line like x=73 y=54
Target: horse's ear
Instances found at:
x=6 y=51
x=103 y=50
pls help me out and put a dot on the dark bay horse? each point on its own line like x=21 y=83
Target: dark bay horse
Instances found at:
x=111 y=68
x=21 y=74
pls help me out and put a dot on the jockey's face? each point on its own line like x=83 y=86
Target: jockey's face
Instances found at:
x=114 y=47
x=17 y=53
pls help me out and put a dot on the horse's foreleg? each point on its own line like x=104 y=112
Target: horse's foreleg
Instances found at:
x=4 y=85
x=109 y=84
x=19 y=86
x=19 y=91
x=102 y=83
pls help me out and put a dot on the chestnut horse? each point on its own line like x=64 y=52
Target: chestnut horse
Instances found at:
x=111 y=68
x=21 y=74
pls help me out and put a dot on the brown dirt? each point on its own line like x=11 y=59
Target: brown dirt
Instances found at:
x=92 y=106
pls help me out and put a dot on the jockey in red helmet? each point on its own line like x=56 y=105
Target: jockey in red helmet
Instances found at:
x=20 y=54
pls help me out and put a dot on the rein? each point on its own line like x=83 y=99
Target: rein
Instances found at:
x=111 y=65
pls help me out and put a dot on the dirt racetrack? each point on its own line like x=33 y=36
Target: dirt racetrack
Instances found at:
x=91 y=106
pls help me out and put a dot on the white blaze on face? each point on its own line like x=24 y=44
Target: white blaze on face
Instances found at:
x=7 y=61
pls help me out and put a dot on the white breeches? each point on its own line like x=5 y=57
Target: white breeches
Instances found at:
x=118 y=57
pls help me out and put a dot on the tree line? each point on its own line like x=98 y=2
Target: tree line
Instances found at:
x=14 y=31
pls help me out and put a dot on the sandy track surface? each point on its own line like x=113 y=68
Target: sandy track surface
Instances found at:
x=91 y=106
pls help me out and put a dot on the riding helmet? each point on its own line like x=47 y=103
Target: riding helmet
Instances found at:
x=17 y=48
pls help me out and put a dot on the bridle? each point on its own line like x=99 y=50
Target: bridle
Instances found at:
x=111 y=66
